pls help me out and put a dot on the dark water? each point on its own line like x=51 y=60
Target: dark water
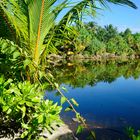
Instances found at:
x=108 y=94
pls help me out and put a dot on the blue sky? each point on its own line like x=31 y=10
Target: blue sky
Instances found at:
x=120 y=16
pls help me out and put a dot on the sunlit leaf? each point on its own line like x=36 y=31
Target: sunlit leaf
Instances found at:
x=24 y=134
x=41 y=138
x=63 y=100
x=40 y=118
x=23 y=109
x=79 y=129
x=68 y=108
x=16 y=54
x=74 y=102
x=9 y=111
x=56 y=85
x=25 y=126
x=63 y=88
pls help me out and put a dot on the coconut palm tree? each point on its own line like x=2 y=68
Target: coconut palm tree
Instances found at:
x=30 y=21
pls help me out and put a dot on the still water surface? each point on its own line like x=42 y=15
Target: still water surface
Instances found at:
x=108 y=93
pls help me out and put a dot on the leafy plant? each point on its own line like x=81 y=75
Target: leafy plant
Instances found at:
x=23 y=103
x=31 y=21
x=132 y=135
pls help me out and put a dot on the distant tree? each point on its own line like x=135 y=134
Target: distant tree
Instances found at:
x=101 y=33
x=127 y=32
x=106 y=33
x=92 y=26
x=128 y=36
x=111 y=32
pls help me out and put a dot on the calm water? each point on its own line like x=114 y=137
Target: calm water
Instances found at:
x=108 y=94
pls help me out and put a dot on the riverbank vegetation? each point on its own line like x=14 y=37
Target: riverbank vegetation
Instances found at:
x=96 y=42
x=29 y=31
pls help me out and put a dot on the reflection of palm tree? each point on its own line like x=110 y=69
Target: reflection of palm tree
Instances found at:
x=91 y=73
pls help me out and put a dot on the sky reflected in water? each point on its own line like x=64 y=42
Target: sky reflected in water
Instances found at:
x=107 y=104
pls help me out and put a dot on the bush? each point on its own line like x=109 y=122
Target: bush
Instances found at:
x=118 y=46
x=23 y=103
x=96 y=47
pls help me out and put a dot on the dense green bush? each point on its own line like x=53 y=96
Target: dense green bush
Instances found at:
x=96 y=47
x=99 y=40
x=118 y=46
x=23 y=103
x=11 y=64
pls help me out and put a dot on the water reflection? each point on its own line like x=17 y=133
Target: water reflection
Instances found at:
x=91 y=72
x=108 y=92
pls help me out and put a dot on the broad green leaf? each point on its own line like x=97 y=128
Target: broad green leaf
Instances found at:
x=26 y=62
x=79 y=129
x=24 y=134
x=63 y=100
x=40 y=118
x=16 y=54
x=5 y=108
x=30 y=104
x=4 y=45
x=68 y=108
x=36 y=100
x=8 y=82
x=9 y=111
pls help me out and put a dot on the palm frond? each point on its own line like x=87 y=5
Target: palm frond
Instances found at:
x=16 y=17
x=123 y=2
x=42 y=19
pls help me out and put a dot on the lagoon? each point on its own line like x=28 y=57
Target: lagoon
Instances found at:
x=108 y=94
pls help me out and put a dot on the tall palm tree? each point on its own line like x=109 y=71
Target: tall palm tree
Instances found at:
x=31 y=20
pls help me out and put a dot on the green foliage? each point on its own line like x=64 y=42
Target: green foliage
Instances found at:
x=96 y=47
x=32 y=27
x=32 y=21
x=132 y=135
x=80 y=129
x=106 y=33
x=117 y=45
x=107 y=40
x=23 y=103
x=11 y=60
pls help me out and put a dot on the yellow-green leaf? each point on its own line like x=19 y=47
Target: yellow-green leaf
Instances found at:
x=40 y=118
x=63 y=100
x=74 y=102
x=24 y=134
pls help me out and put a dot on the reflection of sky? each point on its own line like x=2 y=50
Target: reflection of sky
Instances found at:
x=114 y=104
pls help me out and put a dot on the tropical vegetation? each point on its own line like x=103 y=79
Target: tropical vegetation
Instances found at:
x=29 y=31
x=92 y=40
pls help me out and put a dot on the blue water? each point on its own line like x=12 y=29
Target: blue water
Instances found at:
x=107 y=105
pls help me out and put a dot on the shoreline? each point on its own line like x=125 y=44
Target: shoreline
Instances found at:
x=56 y=59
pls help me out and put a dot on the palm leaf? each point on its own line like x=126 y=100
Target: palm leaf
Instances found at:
x=16 y=17
x=123 y=2
x=42 y=19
